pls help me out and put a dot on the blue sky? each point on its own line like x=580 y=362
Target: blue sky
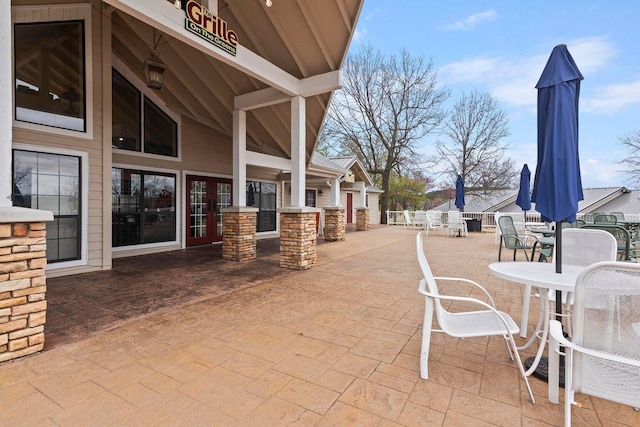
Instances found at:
x=501 y=47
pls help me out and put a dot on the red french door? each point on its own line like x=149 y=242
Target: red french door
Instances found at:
x=207 y=197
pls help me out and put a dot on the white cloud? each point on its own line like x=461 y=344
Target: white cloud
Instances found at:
x=512 y=80
x=612 y=98
x=599 y=173
x=591 y=53
x=470 y=22
x=359 y=34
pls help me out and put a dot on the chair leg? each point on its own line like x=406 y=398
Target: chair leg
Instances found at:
x=426 y=339
x=521 y=367
x=569 y=395
x=500 y=249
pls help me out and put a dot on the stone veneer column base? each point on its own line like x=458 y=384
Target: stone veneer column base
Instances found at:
x=23 y=307
x=298 y=238
x=334 y=224
x=239 y=233
x=362 y=219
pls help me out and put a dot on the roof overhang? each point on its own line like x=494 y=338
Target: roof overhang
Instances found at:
x=294 y=48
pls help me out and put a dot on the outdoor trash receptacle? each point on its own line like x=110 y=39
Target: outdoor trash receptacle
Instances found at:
x=474 y=224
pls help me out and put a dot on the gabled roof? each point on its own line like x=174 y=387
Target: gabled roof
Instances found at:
x=355 y=166
x=490 y=202
x=320 y=163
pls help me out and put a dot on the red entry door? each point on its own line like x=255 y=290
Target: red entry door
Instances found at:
x=207 y=196
x=349 y=208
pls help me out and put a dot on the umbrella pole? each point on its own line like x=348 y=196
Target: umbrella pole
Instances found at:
x=558 y=261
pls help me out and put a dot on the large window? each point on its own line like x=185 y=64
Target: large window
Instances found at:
x=127 y=127
x=130 y=121
x=263 y=196
x=50 y=74
x=51 y=182
x=143 y=207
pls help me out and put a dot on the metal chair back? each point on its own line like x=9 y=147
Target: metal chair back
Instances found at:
x=605 y=219
x=621 y=234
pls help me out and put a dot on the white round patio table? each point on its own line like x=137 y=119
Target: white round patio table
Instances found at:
x=543 y=276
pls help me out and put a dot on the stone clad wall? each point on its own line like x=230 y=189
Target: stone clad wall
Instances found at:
x=362 y=219
x=23 y=306
x=334 y=224
x=298 y=240
x=239 y=234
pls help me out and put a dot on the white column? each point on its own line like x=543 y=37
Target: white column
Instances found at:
x=239 y=186
x=363 y=194
x=6 y=117
x=335 y=192
x=298 y=145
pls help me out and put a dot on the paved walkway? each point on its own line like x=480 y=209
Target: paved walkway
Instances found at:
x=332 y=346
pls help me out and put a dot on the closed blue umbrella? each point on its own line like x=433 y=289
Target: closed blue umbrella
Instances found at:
x=459 y=193
x=524 y=193
x=557 y=187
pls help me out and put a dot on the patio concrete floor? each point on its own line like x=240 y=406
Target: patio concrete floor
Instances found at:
x=186 y=339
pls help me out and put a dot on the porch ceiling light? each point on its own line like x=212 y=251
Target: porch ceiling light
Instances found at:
x=154 y=70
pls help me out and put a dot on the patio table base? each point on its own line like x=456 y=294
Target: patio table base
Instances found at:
x=542 y=370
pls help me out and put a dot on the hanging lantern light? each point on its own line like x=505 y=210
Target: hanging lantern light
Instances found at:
x=154 y=70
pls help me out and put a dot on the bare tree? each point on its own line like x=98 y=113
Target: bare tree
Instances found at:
x=386 y=106
x=631 y=142
x=475 y=129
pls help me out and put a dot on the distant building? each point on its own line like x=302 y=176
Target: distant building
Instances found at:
x=605 y=200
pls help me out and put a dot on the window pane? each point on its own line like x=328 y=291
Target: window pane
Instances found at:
x=266 y=202
x=156 y=221
x=268 y=196
x=159 y=227
x=51 y=182
x=25 y=164
x=125 y=190
x=160 y=132
x=125 y=229
x=49 y=74
x=69 y=195
x=126 y=121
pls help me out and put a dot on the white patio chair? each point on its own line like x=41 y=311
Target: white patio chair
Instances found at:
x=486 y=322
x=420 y=219
x=581 y=247
x=456 y=225
x=434 y=221
x=597 y=363
x=407 y=218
